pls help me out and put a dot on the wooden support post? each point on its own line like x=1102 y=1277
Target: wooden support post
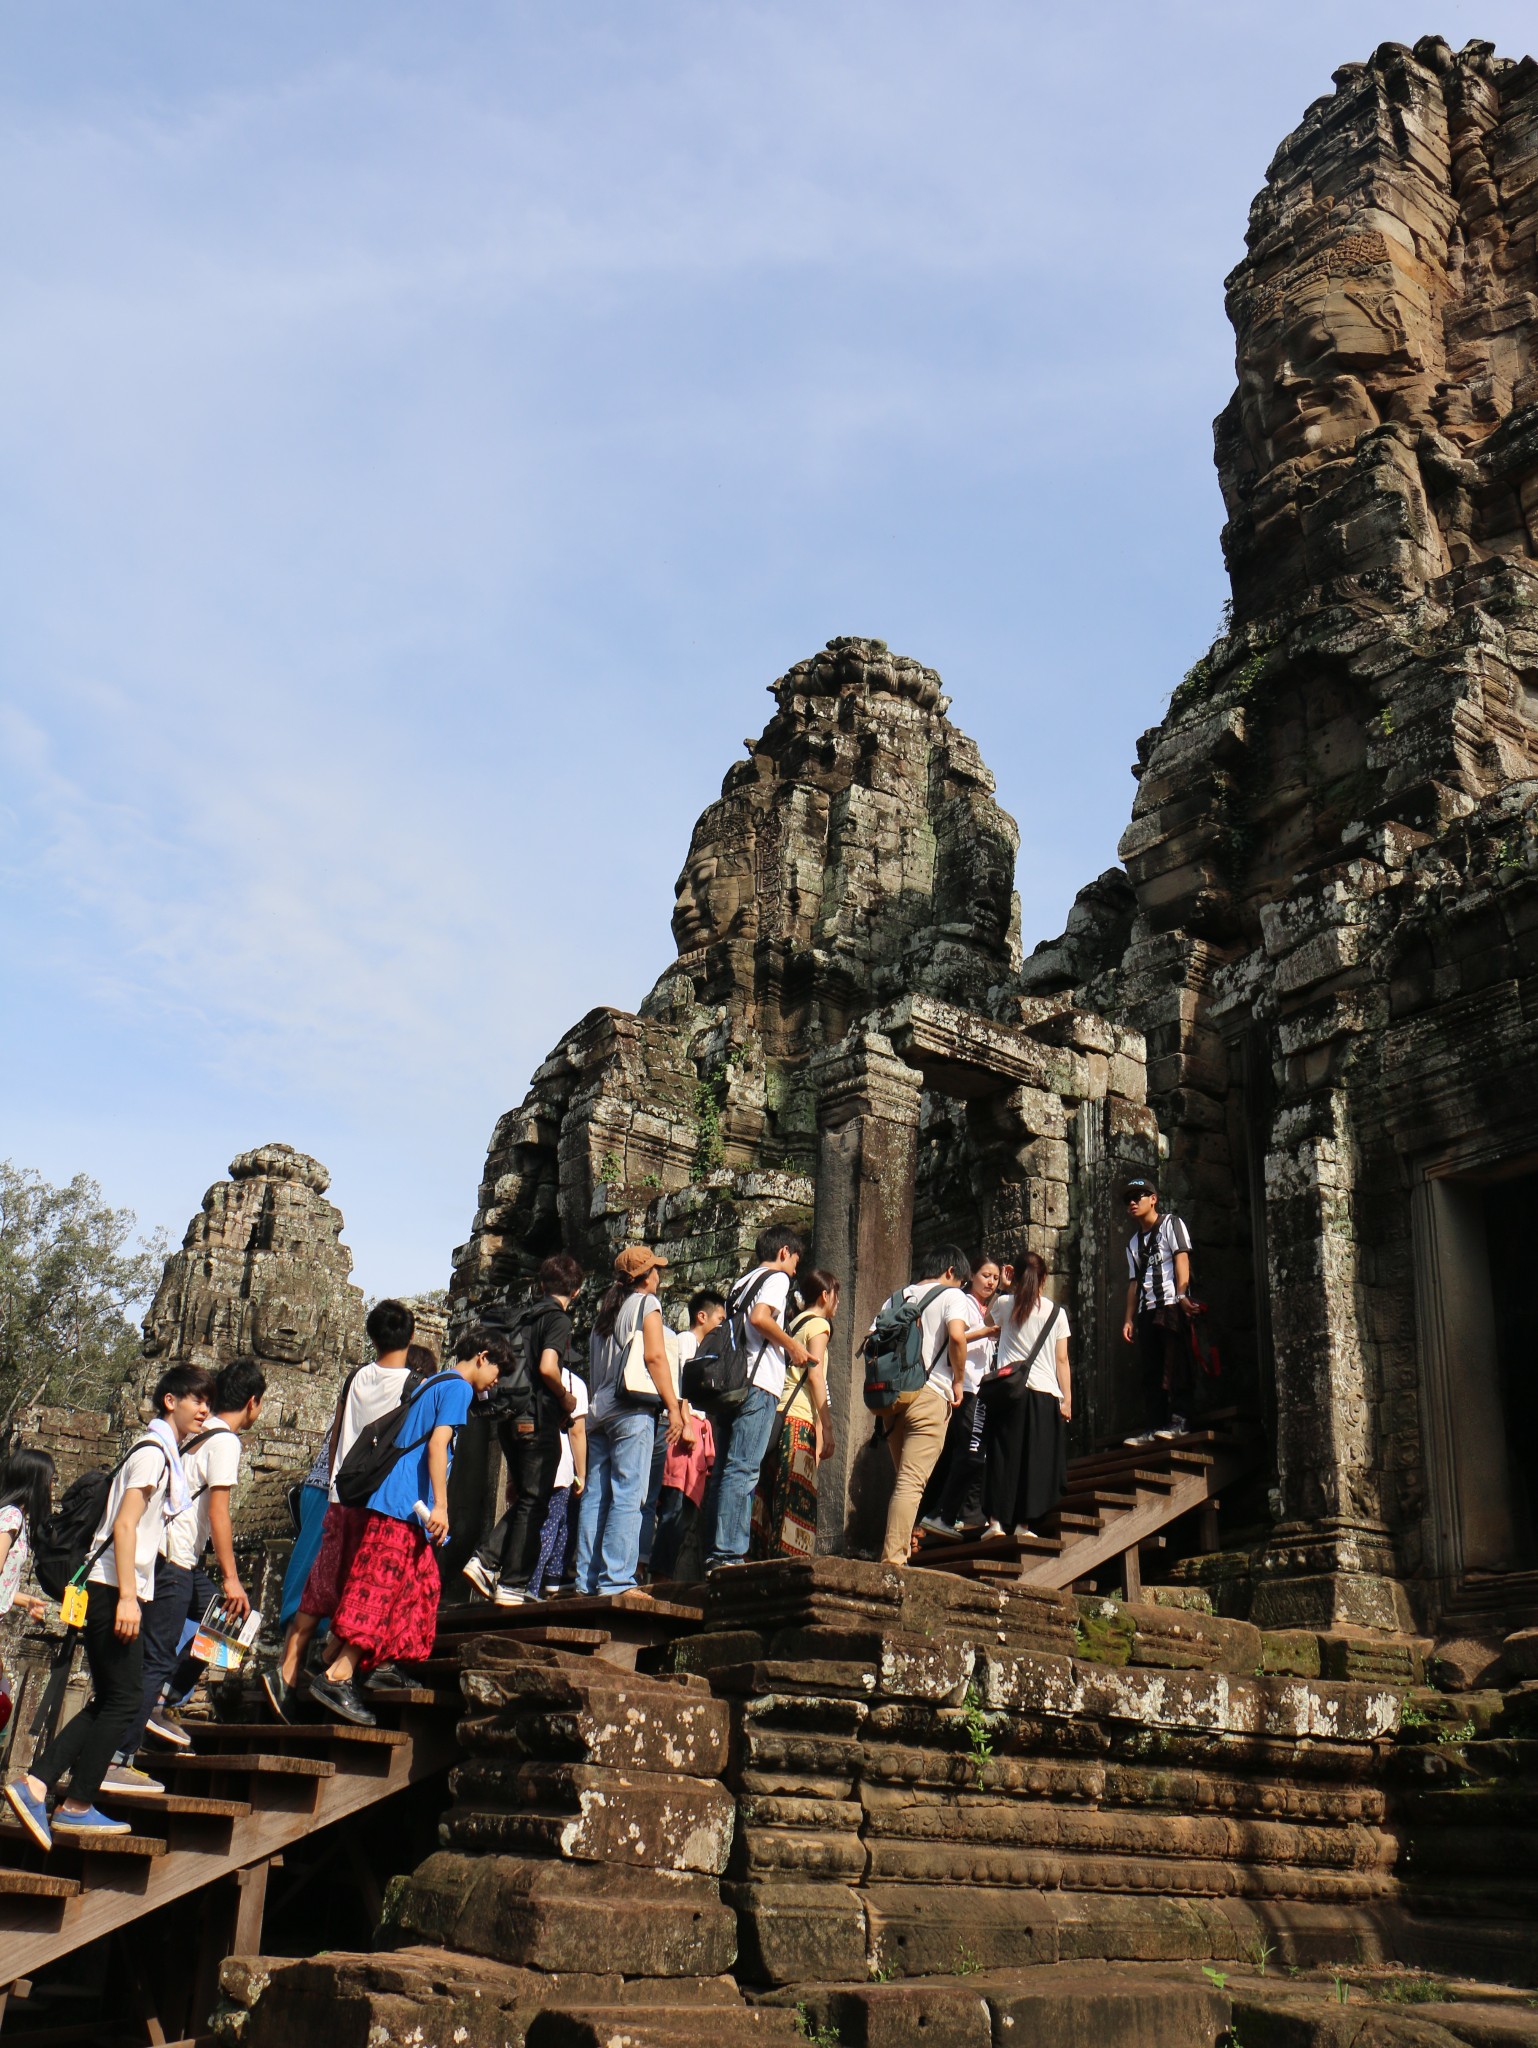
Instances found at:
x=1209 y=1526
x=249 y=1909
x=1131 y=1574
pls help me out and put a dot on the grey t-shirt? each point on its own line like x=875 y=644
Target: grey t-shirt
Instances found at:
x=607 y=1354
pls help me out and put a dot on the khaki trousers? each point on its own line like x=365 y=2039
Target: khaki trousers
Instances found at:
x=916 y=1429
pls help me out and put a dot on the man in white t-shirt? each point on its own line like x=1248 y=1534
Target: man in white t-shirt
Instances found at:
x=183 y=1590
x=120 y=1584
x=555 y=1536
x=916 y=1423
x=742 y=1436
x=707 y=1312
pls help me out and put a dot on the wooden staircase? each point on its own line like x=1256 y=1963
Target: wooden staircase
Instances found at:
x=231 y=1805
x=1118 y=1499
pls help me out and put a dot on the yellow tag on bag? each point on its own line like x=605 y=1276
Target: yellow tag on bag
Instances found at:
x=72 y=1606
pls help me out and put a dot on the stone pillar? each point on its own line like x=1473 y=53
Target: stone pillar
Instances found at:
x=867 y=1154
x=1330 y=1560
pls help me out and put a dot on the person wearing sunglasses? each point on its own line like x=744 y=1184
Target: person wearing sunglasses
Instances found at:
x=1158 y=1298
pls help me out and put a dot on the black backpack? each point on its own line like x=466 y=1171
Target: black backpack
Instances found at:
x=717 y=1378
x=376 y=1450
x=512 y=1399
x=61 y=1546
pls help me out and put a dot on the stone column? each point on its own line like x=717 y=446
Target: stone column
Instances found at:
x=867 y=1153
x=1330 y=1560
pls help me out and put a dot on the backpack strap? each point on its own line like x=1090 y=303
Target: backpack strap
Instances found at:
x=1041 y=1337
x=736 y=1307
x=918 y=1310
x=145 y=1443
x=336 y=1420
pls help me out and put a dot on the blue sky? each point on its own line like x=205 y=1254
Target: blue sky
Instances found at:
x=425 y=432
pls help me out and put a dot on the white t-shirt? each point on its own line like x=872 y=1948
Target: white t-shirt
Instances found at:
x=687 y=1344
x=574 y=1383
x=1016 y=1339
x=978 y=1355
x=950 y=1305
x=766 y=1361
x=210 y=1464
x=147 y=1467
x=373 y=1393
x=1159 y=1288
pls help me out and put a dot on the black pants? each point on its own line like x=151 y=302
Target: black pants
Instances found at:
x=182 y=1594
x=1027 y=1457
x=83 y=1747
x=955 y=1491
x=533 y=1458
x=1163 y=1356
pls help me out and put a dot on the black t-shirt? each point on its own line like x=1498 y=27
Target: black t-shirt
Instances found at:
x=549 y=1330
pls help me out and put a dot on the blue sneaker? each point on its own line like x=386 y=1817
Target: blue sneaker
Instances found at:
x=32 y=1813
x=92 y=1822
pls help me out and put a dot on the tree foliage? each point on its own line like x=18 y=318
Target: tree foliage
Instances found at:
x=73 y=1280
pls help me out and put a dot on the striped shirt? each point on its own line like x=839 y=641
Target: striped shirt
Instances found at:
x=1155 y=1261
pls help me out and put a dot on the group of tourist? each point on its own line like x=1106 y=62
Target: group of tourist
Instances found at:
x=611 y=1472
x=166 y=1501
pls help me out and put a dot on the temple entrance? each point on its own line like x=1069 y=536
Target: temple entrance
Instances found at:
x=1478 y=1311
x=1510 y=1208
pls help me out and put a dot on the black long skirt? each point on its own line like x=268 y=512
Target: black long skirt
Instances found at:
x=1027 y=1447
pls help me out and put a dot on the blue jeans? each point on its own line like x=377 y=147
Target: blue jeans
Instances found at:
x=653 y=1488
x=619 y=1457
x=740 y=1447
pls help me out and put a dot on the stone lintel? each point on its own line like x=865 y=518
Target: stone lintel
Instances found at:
x=960 y=1053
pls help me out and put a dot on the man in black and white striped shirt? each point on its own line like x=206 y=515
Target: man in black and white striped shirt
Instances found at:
x=1158 y=1298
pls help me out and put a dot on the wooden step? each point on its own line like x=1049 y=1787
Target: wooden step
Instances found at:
x=98 y=1842
x=279 y=1734
x=244 y=1762
x=36 y=1884
x=179 y=1805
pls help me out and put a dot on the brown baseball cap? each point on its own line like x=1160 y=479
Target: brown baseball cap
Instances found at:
x=636 y=1261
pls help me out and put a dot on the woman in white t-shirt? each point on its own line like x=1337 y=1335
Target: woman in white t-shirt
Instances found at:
x=954 y=1496
x=1030 y=1402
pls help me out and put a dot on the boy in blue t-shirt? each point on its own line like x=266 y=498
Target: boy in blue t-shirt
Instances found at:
x=388 y=1611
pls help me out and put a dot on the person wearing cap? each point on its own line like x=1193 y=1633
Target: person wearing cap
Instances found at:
x=621 y=1427
x=1158 y=1294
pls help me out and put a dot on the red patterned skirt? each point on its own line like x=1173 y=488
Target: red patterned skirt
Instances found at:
x=340 y=1534
x=389 y=1606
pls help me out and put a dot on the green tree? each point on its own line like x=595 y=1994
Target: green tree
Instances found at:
x=72 y=1284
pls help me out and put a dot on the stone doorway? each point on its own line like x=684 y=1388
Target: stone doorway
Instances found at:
x=1477 y=1288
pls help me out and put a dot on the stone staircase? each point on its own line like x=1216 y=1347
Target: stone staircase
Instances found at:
x=1118 y=1499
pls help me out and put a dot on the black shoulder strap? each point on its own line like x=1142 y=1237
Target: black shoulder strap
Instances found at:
x=945 y=1335
x=1041 y=1337
x=145 y=1443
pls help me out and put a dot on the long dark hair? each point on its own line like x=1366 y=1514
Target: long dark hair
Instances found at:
x=1030 y=1270
x=616 y=1295
x=26 y=1482
x=814 y=1287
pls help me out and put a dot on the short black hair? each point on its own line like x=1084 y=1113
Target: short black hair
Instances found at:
x=559 y=1274
x=478 y=1339
x=945 y=1258
x=422 y=1361
x=240 y=1381
x=178 y=1380
x=391 y=1326
x=779 y=1237
x=706 y=1298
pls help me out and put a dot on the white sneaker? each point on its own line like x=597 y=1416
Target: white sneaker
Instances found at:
x=481 y=1579
x=1134 y=1443
x=127 y=1778
x=993 y=1529
x=1027 y=1535
x=507 y=1596
x=936 y=1527
x=1177 y=1427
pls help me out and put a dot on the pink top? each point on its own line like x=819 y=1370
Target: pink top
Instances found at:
x=689 y=1470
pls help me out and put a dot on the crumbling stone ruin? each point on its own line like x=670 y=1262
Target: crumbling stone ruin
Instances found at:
x=973 y=1806
x=263 y=1272
x=841 y=1042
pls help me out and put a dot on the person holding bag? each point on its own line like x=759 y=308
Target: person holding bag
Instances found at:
x=629 y=1380
x=785 y=1505
x=1029 y=1398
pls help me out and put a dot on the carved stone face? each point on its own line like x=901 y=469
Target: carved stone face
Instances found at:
x=714 y=891
x=283 y=1327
